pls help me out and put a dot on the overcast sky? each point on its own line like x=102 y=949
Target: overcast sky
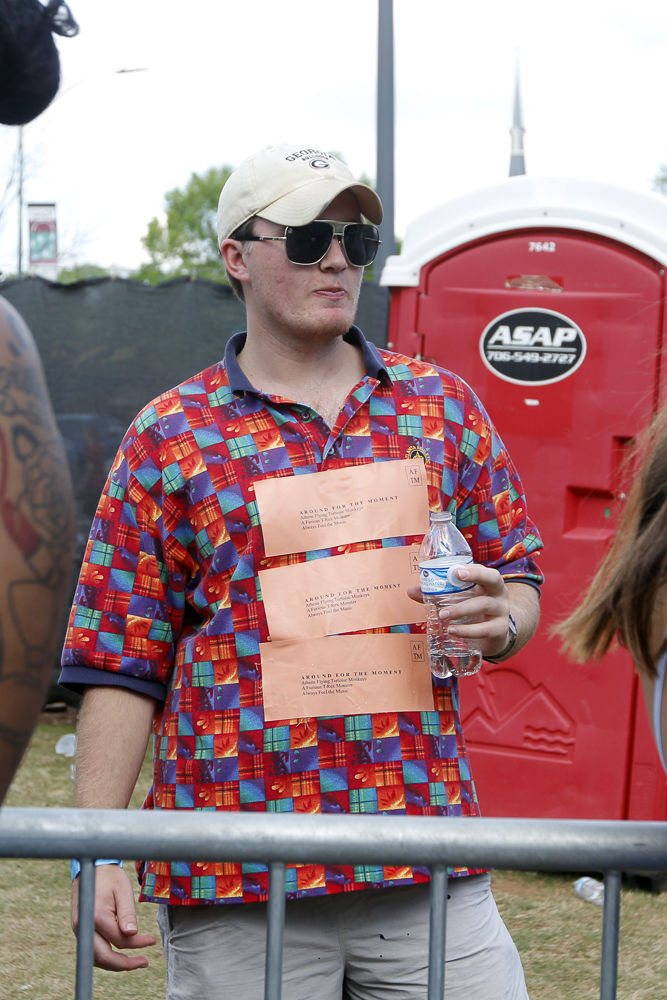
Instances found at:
x=221 y=79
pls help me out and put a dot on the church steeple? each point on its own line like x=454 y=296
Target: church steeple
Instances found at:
x=517 y=160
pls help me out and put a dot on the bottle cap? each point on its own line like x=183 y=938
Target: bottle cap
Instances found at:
x=455 y=580
x=440 y=515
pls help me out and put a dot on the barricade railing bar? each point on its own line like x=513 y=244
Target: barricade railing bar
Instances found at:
x=277 y=840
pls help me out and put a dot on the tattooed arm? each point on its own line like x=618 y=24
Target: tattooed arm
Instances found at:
x=36 y=538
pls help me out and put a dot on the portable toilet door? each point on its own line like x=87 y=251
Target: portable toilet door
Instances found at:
x=547 y=297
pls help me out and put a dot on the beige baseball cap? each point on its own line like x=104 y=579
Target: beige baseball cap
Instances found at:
x=289 y=185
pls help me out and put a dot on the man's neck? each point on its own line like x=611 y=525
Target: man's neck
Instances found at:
x=320 y=373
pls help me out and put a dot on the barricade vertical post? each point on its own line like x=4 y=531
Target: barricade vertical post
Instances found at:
x=86 y=931
x=610 y=920
x=437 y=933
x=275 y=916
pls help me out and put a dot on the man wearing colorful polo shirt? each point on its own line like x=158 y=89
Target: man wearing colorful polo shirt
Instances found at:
x=180 y=623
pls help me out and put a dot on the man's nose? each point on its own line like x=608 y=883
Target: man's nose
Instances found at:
x=334 y=258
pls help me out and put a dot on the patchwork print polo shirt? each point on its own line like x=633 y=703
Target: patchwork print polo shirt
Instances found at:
x=168 y=604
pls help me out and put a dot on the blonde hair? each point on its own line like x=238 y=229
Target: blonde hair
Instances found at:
x=628 y=589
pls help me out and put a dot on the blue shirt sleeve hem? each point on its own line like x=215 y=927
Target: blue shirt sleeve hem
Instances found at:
x=77 y=678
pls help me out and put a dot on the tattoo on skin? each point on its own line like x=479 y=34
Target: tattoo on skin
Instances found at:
x=36 y=518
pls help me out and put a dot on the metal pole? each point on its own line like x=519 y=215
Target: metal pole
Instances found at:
x=385 y=131
x=275 y=928
x=19 y=268
x=86 y=931
x=524 y=844
x=610 y=922
x=438 y=933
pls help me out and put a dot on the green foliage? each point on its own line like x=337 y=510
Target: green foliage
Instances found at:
x=660 y=180
x=80 y=272
x=186 y=244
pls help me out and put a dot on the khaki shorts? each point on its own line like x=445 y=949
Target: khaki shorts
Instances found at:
x=367 y=945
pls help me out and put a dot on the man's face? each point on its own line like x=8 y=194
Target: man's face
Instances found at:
x=295 y=300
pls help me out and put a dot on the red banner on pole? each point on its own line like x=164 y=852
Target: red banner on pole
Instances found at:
x=43 y=234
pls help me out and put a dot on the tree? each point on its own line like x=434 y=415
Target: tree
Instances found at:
x=187 y=243
x=660 y=180
x=80 y=272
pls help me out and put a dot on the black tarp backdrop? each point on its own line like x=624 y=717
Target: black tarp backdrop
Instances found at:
x=109 y=346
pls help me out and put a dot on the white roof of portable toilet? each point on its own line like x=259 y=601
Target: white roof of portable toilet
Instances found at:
x=631 y=217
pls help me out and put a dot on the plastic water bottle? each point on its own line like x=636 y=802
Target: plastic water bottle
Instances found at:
x=443 y=550
x=66 y=746
x=590 y=889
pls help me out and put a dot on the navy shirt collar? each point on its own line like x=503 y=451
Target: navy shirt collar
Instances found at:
x=375 y=366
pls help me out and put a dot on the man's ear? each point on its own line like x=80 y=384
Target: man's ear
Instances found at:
x=233 y=257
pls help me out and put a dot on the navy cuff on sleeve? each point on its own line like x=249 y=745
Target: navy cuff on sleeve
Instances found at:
x=76 y=678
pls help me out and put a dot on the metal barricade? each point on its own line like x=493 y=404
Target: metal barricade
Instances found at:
x=280 y=839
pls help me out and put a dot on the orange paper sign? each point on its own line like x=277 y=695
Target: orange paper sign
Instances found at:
x=345 y=675
x=346 y=593
x=360 y=502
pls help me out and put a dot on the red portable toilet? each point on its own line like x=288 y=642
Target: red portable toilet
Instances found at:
x=547 y=297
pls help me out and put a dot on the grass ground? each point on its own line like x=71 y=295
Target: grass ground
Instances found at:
x=558 y=935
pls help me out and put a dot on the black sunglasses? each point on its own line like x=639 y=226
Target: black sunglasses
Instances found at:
x=309 y=244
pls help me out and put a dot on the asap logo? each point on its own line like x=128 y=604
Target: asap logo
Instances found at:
x=532 y=346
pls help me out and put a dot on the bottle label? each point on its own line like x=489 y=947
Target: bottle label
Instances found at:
x=438 y=576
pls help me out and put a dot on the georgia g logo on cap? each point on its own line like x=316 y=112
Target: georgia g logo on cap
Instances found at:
x=314 y=157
